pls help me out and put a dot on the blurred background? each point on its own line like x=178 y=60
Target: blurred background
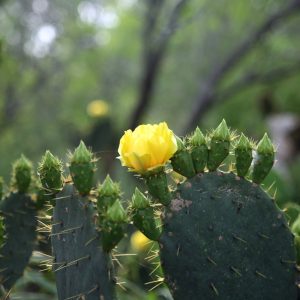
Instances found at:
x=72 y=70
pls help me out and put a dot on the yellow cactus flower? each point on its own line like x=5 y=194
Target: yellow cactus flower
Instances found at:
x=139 y=242
x=97 y=108
x=147 y=147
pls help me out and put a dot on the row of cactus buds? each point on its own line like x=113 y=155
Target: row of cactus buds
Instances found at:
x=143 y=216
x=112 y=216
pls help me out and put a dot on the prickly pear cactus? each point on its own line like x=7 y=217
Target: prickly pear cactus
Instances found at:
x=81 y=236
x=19 y=222
x=224 y=237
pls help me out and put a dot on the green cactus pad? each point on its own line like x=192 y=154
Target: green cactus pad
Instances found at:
x=20 y=224
x=82 y=269
x=224 y=238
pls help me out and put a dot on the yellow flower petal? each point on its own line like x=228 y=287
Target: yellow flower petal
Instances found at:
x=147 y=147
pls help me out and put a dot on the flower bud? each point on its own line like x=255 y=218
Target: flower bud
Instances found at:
x=143 y=216
x=113 y=226
x=139 y=200
x=243 y=155
x=158 y=186
x=264 y=159
x=199 y=150
x=108 y=193
x=182 y=161
x=219 y=146
x=116 y=212
x=22 y=173
x=50 y=172
x=82 y=168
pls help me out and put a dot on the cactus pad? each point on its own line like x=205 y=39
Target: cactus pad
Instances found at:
x=82 y=269
x=20 y=224
x=224 y=238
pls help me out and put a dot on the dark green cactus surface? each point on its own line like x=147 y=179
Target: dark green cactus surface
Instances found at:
x=82 y=269
x=20 y=224
x=224 y=238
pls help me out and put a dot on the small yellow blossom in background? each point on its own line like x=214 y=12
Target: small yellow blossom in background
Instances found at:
x=97 y=108
x=147 y=147
x=139 y=242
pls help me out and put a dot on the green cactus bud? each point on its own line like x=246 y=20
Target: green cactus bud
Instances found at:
x=1 y=187
x=139 y=200
x=264 y=160
x=199 y=150
x=50 y=171
x=22 y=173
x=265 y=145
x=113 y=226
x=222 y=133
x=197 y=139
x=243 y=155
x=116 y=212
x=158 y=185
x=82 y=168
x=182 y=161
x=219 y=146
x=143 y=216
x=180 y=144
x=108 y=193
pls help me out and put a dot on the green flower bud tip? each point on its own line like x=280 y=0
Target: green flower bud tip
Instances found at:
x=197 y=138
x=180 y=144
x=116 y=212
x=222 y=132
x=49 y=161
x=22 y=164
x=243 y=143
x=109 y=188
x=81 y=154
x=265 y=145
x=139 y=200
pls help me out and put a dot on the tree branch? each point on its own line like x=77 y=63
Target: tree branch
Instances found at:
x=153 y=60
x=255 y=78
x=207 y=94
